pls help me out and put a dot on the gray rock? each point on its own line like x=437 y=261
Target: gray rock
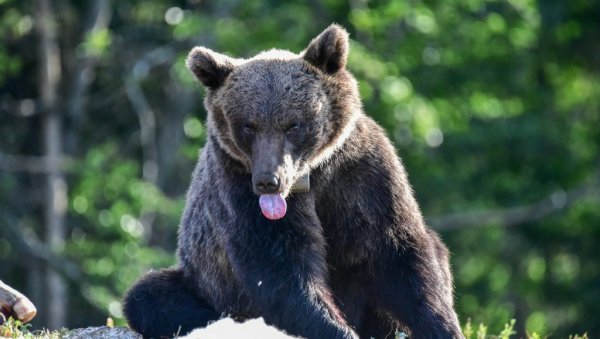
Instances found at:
x=102 y=332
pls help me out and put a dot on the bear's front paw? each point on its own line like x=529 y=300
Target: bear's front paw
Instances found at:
x=15 y=304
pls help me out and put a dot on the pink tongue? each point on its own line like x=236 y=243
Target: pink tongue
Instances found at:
x=273 y=206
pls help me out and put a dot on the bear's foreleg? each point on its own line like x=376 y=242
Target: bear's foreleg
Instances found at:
x=162 y=305
x=415 y=285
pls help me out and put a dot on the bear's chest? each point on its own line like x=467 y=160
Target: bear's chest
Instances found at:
x=353 y=216
x=345 y=228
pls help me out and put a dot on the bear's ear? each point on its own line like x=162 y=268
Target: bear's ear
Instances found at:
x=210 y=67
x=329 y=50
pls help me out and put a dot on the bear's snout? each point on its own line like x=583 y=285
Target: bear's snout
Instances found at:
x=266 y=183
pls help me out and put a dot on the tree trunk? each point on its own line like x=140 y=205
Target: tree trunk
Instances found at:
x=56 y=190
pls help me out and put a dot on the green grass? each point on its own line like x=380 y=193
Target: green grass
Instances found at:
x=509 y=329
x=15 y=329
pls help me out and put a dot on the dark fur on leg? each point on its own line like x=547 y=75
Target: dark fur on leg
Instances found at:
x=161 y=305
x=424 y=299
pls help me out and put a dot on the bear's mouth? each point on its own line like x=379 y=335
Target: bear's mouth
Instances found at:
x=274 y=206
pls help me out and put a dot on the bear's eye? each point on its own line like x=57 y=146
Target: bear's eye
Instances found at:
x=248 y=129
x=293 y=128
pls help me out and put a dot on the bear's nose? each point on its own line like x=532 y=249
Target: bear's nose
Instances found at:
x=267 y=183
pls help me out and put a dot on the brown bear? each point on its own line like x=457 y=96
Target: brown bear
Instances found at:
x=349 y=257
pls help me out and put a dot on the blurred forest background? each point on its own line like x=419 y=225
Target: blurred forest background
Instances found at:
x=493 y=105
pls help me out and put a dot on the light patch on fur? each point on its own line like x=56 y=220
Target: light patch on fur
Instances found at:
x=326 y=153
x=227 y=328
x=230 y=151
x=276 y=54
x=223 y=143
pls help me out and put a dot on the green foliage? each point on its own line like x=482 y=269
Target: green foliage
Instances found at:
x=110 y=238
x=506 y=333
x=508 y=330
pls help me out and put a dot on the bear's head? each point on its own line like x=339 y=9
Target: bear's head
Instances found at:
x=279 y=113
